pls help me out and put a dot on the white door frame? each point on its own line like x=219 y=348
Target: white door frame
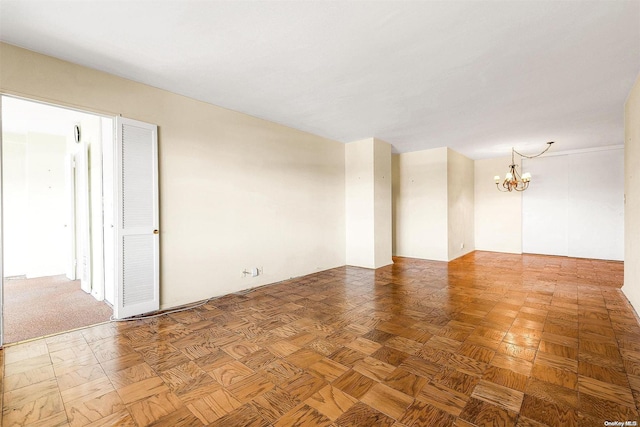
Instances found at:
x=83 y=208
x=108 y=213
x=70 y=174
x=96 y=201
x=1 y=236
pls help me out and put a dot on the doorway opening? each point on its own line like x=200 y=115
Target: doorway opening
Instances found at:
x=53 y=237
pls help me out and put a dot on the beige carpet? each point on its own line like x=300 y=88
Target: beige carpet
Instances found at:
x=48 y=305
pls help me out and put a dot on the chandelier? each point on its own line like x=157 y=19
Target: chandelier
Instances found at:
x=513 y=180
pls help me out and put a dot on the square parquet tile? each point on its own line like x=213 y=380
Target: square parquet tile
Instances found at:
x=488 y=339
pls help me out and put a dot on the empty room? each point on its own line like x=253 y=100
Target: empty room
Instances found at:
x=372 y=213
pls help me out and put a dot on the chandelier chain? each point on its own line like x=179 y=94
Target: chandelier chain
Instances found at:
x=537 y=155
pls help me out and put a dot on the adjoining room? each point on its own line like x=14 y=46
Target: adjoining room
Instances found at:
x=52 y=219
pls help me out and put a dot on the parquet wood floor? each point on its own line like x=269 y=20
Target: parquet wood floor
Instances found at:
x=486 y=340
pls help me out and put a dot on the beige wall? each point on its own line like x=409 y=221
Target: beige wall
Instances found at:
x=368 y=203
x=36 y=204
x=382 y=203
x=47 y=204
x=235 y=191
x=359 y=203
x=420 y=204
x=632 y=197
x=15 y=211
x=498 y=216
x=433 y=204
x=460 y=199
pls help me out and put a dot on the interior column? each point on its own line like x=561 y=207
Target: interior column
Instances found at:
x=368 y=203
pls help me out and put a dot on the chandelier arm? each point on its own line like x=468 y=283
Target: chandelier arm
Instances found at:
x=537 y=155
x=516 y=173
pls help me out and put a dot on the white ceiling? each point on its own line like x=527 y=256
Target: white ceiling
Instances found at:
x=477 y=76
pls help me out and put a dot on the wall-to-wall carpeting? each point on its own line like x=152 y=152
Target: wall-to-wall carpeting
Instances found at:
x=48 y=305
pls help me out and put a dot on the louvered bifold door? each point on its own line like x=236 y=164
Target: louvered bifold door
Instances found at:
x=137 y=228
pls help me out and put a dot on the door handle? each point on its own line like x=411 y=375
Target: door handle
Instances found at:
x=156 y=232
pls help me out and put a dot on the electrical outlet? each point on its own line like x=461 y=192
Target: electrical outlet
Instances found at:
x=253 y=272
x=461 y=245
